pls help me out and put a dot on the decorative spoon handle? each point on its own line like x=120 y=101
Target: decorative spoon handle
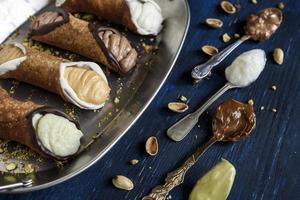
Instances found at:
x=202 y=70
x=181 y=128
x=176 y=177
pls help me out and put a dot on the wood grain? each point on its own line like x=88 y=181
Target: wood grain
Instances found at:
x=267 y=163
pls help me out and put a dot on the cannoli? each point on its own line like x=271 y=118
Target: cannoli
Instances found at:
x=140 y=16
x=46 y=130
x=102 y=44
x=82 y=83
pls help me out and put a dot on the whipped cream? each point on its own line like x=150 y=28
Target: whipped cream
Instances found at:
x=246 y=68
x=146 y=16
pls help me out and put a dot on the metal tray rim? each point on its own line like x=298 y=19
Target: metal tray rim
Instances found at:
x=115 y=140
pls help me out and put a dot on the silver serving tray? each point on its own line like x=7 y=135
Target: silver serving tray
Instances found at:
x=109 y=124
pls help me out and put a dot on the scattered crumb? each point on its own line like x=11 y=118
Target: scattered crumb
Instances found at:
x=226 y=38
x=169 y=197
x=280 y=5
x=150 y=167
x=183 y=98
x=149 y=48
x=134 y=162
x=262 y=108
x=11 y=166
x=28 y=168
x=116 y=100
x=274 y=87
x=236 y=35
x=251 y=102
x=274 y=110
x=254 y=1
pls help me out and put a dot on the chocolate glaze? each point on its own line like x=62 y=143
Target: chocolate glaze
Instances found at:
x=44 y=29
x=262 y=25
x=233 y=120
x=46 y=110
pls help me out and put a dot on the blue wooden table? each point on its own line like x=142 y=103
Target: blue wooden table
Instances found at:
x=267 y=163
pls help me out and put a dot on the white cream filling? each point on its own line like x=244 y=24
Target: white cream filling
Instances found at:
x=12 y=65
x=57 y=134
x=68 y=90
x=246 y=68
x=146 y=16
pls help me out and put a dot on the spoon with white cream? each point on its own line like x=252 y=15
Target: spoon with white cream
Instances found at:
x=244 y=70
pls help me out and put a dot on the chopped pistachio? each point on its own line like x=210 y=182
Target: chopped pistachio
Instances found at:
x=116 y=100
x=236 y=35
x=134 y=162
x=28 y=168
x=11 y=166
x=226 y=38
x=87 y=17
x=274 y=88
x=183 y=98
x=254 y=1
x=251 y=102
x=280 y=5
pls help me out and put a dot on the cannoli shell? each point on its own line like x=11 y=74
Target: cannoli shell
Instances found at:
x=75 y=36
x=39 y=69
x=16 y=122
x=115 y=10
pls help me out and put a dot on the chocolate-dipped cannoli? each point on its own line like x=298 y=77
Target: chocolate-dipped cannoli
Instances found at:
x=82 y=83
x=140 y=16
x=46 y=130
x=102 y=44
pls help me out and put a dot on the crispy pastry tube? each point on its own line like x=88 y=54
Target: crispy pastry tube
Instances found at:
x=140 y=16
x=102 y=44
x=48 y=131
x=81 y=83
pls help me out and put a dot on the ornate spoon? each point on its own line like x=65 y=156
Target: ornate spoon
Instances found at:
x=232 y=121
x=259 y=27
x=244 y=70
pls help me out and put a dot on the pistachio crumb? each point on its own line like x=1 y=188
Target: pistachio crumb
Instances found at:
x=251 y=102
x=274 y=88
x=254 y=1
x=134 y=162
x=226 y=38
x=280 y=5
x=183 y=98
x=116 y=100
x=28 y=168
x=274 y=110
x=236 y=35
x=11 y=166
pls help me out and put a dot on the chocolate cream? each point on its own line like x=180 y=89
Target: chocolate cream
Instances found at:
x=262 y=25
x=48 y=21
x=120 y=48
x=233 y=120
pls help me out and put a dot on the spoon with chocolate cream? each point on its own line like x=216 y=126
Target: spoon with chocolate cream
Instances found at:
x=232 y=121
x=259 y=27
